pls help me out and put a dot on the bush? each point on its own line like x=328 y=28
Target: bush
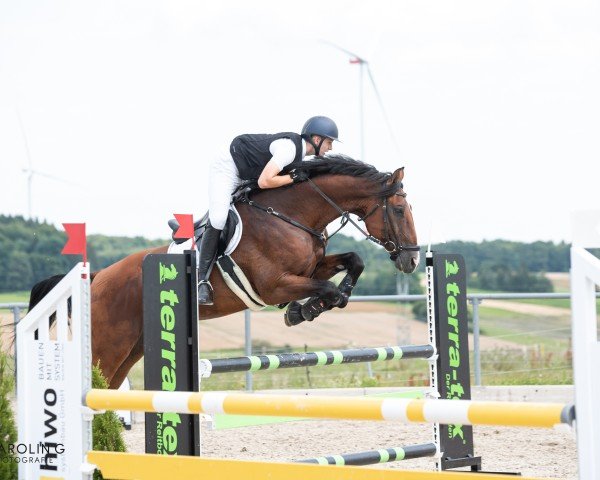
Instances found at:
x=8 y=430
x=106 y=428
x=419 y=310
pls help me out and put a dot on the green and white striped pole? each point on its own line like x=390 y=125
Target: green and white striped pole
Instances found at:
x=308 y=359
x=372 y=457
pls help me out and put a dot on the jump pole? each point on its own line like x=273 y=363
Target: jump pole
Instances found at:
x=255 y=363
x=376 y=456
x=403 y=410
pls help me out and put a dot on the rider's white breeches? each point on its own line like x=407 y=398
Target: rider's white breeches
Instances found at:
x=223 y=180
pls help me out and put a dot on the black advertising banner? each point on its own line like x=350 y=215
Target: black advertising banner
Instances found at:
x=450 y=287
x=171 y=348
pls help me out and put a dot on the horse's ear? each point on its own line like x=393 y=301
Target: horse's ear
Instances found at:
x=398 y=175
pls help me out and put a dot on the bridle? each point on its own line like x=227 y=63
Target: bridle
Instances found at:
x=393 y=246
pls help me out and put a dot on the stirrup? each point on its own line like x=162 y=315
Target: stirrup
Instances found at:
x=206 y=296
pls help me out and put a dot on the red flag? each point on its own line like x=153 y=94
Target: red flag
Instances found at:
x=76 y=242
x=186 y=225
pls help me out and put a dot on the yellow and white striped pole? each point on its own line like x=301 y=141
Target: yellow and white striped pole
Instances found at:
x=127 y=466
x=462 y=412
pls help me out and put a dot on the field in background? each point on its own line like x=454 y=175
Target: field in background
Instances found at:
x=14 y=297
x=523 y=342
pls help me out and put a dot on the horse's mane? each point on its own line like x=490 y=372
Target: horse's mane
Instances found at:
x=337 y=164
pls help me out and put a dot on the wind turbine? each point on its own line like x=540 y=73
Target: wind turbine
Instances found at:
x=365 y=68
x=30 y=172
x=402 y=334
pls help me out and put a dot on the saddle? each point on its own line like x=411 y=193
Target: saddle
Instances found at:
x=228 y=241
x=241 y=193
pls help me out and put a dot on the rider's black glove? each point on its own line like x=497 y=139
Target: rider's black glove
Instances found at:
x=298 y=176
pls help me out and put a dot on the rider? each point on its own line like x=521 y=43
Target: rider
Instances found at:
x=251 y=157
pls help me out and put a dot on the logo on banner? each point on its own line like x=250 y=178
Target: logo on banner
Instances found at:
x=167 y=422
x=454 y=388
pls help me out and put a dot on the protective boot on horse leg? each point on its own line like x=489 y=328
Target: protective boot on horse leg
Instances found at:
x=329 y=266
x=208 y=254
x=331 y=297
x=297 y=313
x=345 y=286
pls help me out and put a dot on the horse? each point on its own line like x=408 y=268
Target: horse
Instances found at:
x=281 y=252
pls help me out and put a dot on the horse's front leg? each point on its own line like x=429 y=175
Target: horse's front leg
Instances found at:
x=292 y=287
x=334 y=264
x=327 y=268
x=289 y=287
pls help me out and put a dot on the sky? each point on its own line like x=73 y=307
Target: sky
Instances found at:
x=494 y=105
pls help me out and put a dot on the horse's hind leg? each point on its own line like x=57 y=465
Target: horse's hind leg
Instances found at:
x=136 y=353
x=117 y=325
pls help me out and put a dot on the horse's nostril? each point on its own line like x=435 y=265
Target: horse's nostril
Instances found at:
x=413 y=261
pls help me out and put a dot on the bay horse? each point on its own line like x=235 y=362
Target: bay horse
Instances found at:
x=285 y=261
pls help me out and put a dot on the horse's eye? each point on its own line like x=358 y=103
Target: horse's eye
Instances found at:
x=399 y=210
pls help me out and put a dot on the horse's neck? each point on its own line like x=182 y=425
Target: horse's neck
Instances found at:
x=305 y=204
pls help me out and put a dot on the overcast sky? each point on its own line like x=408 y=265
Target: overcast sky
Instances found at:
x=495 y=104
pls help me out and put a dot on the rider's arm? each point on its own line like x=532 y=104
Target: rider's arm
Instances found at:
x=269 y=177
x=284 y=152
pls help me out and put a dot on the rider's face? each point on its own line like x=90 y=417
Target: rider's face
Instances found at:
x=326 y=146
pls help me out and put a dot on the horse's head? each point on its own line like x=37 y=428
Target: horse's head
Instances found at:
x=393 y=225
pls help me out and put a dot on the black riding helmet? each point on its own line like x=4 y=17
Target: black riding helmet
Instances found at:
x=324 y=127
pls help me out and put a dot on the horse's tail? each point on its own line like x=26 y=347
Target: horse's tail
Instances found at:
x=38 y=292
x=41 y=289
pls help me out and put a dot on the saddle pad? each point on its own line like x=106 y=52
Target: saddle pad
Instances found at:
x=231 y=246
x=239 y=284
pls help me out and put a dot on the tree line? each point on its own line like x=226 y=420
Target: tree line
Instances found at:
x=30 y=251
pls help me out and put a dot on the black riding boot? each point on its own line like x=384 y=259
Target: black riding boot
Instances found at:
x=208 y=252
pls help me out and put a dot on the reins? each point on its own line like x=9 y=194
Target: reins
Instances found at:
x=281 y=216
x=392 y=247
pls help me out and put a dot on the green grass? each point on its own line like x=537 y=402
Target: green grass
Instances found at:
x=552 y=302
x=14 y=297
x=497 y=313
x=533 y=366
x=522 y=328
x=548 y=302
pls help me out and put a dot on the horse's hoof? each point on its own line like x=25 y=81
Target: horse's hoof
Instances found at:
x=293 y=315
x=309 y=314
x=344 y=301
